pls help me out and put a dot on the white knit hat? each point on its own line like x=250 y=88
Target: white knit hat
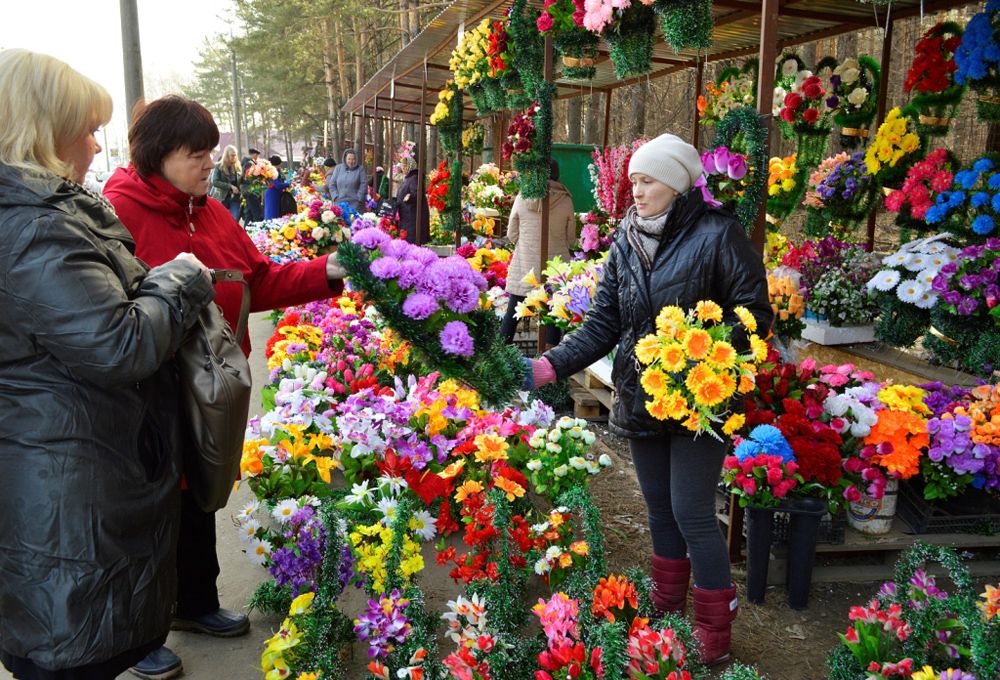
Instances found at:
x=668 y=159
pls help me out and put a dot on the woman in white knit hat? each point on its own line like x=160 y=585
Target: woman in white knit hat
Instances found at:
x=672 y=248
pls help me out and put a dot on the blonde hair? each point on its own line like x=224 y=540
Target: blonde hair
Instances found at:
x=235 y=165
x=44 y=105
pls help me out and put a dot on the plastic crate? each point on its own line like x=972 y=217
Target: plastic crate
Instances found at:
x=830 y=531
x=923 y=517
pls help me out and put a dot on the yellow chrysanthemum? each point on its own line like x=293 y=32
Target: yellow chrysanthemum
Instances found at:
x=647 y=350
x=747 y=383
x=759 y=348
x=697 y=375
x=490 y=448
x=707 y=310
x=692 y=422
x=669 y=320
x=670 y=406
x=696 y=343
x=654 y=381
x=672 y=357
x=710 y=393
x=734 y=424
x=746 y=318
x=722 y=355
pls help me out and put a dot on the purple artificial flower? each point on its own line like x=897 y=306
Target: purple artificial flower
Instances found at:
x=969 y=281
x=967 y=305
x=383 y=625
x=397 y=248
x=708 y=162
x=832 y=101
x=455 y=339
x=419 y=306
x=737 y=168
x=721 y=158
x=370 y=238
x=410 y=274
x=940 y=283
x=988 y=275
x=949 y=268
x=951 y=297
x=464 y=296
x=385 y=268
x=297 y=563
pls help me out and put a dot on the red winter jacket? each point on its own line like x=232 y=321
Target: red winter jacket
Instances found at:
x=166 y=221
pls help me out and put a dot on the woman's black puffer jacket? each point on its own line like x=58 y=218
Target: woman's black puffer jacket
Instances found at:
x=704 y=255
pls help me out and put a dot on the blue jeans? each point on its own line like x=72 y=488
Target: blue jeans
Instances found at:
x=233 y=205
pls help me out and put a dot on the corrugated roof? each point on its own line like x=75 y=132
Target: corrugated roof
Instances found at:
x=397 y=86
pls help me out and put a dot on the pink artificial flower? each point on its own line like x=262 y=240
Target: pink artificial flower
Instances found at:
x=544 y=22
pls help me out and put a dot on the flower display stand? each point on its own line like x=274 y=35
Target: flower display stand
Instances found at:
x=874 y=515
x=759 y=523
x=443 y=251
x=822 y=333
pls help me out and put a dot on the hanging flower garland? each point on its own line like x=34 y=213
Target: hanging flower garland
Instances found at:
x=630 y=31
x=931 y=79
x=686 y=24
x=978 y=60
x=529 y=56
x=733 y=88
x=447 y=117
x=854 y=98
x=473 y=138
x=746 y=124
x=563 y=20
x=529 y=144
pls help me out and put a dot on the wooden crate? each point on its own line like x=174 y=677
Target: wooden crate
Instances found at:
x=592 y=390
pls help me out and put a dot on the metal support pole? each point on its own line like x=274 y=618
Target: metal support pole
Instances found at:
x=131 y=55
x=607 y=117
x=419 y=237
x=543 y=247
x=883 y=94
x=699 y=74
x=237 y=113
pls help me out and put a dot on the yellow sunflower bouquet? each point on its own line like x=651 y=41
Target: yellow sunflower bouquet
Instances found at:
x=692 y=370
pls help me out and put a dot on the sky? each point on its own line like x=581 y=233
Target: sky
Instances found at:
x=87 y=35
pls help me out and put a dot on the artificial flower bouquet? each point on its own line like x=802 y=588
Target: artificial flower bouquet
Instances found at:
x=596 y=232
x=914 y=628
x=854 y=98
x=560 y=457
x=692 y=370
x=438 y=187
x=490 y=189
x=490 y=261
x=978 y=60
x=558 y=552
x=609 y=177
x=762 y=470
x=834 y=279
x=318 y=229
x=565 y=298
x=629 y=27
x=787 y=304
x=436 y=306
x=924 y=182
x=895 y=149
x=784 y=188
x=973 y=199
x=521 y=135
x=931 y=79
x=258 y=174
x=447 y=117
x=725 y=171
x=732 y=89
x=563 y=20
x=803 y=107
x=844 y=195
x=473 y=138
x=812 y=199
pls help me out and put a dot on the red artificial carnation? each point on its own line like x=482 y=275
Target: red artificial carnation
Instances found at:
x=812 y=88
x=810 y=115
x=793 y=100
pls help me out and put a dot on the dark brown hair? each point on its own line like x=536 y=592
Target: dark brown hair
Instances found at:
x=166 y=125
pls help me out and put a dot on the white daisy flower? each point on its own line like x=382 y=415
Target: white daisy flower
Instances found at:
x=575 y=432
x=541 y=566
x=926 y=300
x=917 y=262
x=884 y=280
x=566 y=423
x=284 y=510
x=926 y=277
x=910 y=291
x=248 y=511
x=259 y=551
x=934 y=248
x=424 y=524
x=536 y=442
x=897 y=259
x=249 y=529
x=779 y=99
x=387 y=508
x=936 y=260
x=553 y=552
x=789 y=68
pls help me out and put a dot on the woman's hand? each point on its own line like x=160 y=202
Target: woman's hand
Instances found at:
x=189 y=257
x=334 y=270
x=236 y=189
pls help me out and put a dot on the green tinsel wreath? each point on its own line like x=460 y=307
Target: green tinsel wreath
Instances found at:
x=899 y=323
x=534 y=166
x=952 y=337
x=631 y=40
x=749 y=125
x=529 y=53
x=495 y=96
x=496 y=370
x=686 y=23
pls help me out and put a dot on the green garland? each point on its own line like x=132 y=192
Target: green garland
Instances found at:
x=631 y=39
x=450 y=129
x=612 y=638
x=738 y=671
x=967 y=340
x=529 y=55
x=686 y=23
x=937 y=107
x=269 y=598
x=496 y=371
x=452 y=219
x=899 y=323
x=534 y=166
x=577 y=44
x=749 y=125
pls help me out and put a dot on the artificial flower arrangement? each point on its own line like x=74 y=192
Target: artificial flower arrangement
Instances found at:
x=489 y=261
x=558 y=551
x=812 y=199
x=914 y=628
x=473 y=138
x=435 y=305
x=854 y=98
x=931 y=79
x=974 y=199
x=834 y=279
x=924 y=182
x=489 y=189
x=471 y=69
x=787 y=304
x=560 y=458
x=978 y=60
x=447 y=117
x=904 y=289
x=845 y=196
x=784 y=189
x=609 y=177
x=438 y=187
x=317 y=230
x=529 y=141
x=733 y=88
x=565 y=298
x=596 y=232
x=258 y=174
x=693 y=370
x=895 y=149
x=725 y=171
x=629 y=27
x=762 y=470
x=563 y=20
x=804 y=108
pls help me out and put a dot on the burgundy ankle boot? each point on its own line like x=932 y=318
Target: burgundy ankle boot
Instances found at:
x=714 y=612
x=671 y=578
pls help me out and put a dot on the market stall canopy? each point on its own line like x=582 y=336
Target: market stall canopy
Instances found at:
x=396 y=89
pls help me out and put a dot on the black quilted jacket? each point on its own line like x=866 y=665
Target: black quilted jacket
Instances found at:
x=704 y=255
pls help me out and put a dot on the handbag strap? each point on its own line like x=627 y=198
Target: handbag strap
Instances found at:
x=236 y=276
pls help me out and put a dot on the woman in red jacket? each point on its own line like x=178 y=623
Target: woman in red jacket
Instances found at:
x=161 y=198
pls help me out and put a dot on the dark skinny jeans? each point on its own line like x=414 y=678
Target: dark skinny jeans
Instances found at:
x=678 y=475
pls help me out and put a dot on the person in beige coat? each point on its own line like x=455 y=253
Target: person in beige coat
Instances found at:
x=525 y=230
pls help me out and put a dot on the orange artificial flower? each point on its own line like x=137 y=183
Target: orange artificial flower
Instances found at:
x=696 y=343
x=509 y=487
x=907 y=433
x=468 y=487
x=490 y=447
x=612 y=596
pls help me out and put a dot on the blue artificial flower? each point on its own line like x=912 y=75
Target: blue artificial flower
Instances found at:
x=983 y=225
x=979 y=199
x=747 y=449
x=935 y=214
x=994 y=181
x=995 y=203
x=967 y=178
x=983 y=165
x=772 y=442
x=955 y=199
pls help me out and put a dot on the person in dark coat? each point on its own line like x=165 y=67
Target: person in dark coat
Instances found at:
x=671 y=249
x=253 y=203
x=89 y=421
x=275 y=188
x=225 y=182
x=406 y=208
x=348 y=182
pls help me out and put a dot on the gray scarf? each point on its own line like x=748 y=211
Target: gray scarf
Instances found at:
x=646 y=233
